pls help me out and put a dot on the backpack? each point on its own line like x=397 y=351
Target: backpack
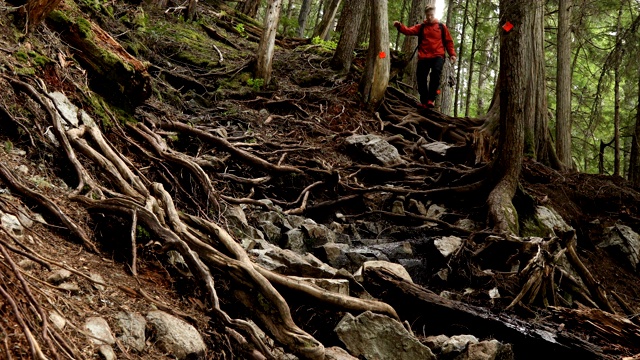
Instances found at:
x=421 y=35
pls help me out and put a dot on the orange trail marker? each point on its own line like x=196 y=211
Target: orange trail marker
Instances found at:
x=382 y=55
x=507 y=26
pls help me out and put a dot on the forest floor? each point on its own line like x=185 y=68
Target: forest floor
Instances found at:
x=295 y=131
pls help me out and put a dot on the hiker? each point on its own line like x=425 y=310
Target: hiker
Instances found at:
x=433 y=39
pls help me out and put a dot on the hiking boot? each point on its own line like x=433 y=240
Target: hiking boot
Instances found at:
x=430 y=104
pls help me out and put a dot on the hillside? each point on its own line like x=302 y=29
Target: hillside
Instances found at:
x=149 y=182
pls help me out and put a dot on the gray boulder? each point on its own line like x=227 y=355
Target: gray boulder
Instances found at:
x=294 y=240
x=544 y=223
x=396 y=269
x=334 y=255
x=336 y=353
x=375 y=148
x=175 y=336
x=131 y=330
x=100 y=330
x=378 y=337
x=288 y=262
x=448 y=245
x=487 y=350
x=624 y=241
x=106 y=352
x=458 y=343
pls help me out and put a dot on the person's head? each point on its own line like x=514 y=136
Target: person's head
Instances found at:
x=430 y=13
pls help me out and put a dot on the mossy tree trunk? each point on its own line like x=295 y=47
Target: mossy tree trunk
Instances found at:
x=305 y=10
x=375 y=77
x=264 y=65
x=563 y=85
x=323 y=29
x=249 y=7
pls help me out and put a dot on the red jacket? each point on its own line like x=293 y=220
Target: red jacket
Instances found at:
x=431 y=45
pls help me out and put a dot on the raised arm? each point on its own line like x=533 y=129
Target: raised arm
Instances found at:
x=409 y=31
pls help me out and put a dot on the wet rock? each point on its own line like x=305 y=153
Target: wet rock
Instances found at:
x=287 y=262
x=271 y=231
x=621 y=240
x=396 y=269
x=375 y=148
x=436 y=211
x=317 y=234
x=130 y=329
x=99 y=328
x=11 y=223
x=58 y=276
x=339 y=286
x=448 y=245
x=373 y=336
x=294 y=240
x=395 y=250
x=175 y=336
x=58 y=321
x=336 y=353
x=543 y=223
x=487 y=350
x=334 y=255
x=106 y=352
x=468 y=224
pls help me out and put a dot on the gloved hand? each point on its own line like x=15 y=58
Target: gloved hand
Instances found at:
x=397 y=24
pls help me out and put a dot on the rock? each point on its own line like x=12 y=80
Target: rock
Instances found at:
x=66 y=109
x=543 y=223
x=287 y=262
x=417 y=269
x=435 y=211
x=458 y=343
x=396 y=269
x=27 y=264
x=73 y=288
x=25 y=220
x=317 y=235
x=130 y=328
x=398 y=207
x=271 y=231
x=235 y=216
x=494 y=293
x=334 y=254
x=435 y=343
x=175 y=336
x=448 y=245
x=358 y=256
x=58 y=276
x=417 y=207
x=373 y=336
x=437 y=149
x=58 y=321
x=376 y=148
x=99 y=328
x=106 y=351
x=623 y=241
x=336 y=353
x=295 y=221
x=395 y=250
x=11 y=223
x=98 y=278
x=294 y=240
x=339 y=286
x=23 y=169
x=487 y=350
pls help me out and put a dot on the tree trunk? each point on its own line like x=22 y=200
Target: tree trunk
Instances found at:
x=563 y=85
x=354 y=11
x=445 y=100
x=325 y=26
x=38 y=10
x=460 y=56
x=482 y=74
x=365 y=24
x=287 y=14
x=305 y=9
x=403 y=11
x=321 y=5
x=471 y=60
x=513 y=79
x=634 y=162
x=249 y=7
x=267 y=42
x=411 y=42
x=191 y=9
x=376 y=73
x=616 y=108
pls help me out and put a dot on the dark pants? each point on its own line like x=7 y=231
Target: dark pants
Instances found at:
x=431 y=68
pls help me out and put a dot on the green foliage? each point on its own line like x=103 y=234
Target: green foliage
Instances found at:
x=256 y=84
x=240 y=29
x=327 y=45
x=8 y=146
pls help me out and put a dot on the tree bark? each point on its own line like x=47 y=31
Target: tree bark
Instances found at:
x=460 y=56
x=267 y=42
x=403 y=11
x=375 y=78
x=416 y=15
x=512 y=82
x=634 y=162
x=472 y=60
x=249 y=7
x=287 y=14
x=191 y=9
x=305 y=9
x=365 y=24
x=323 y=29
x=354 y=11
x=37 y=11
x=445 y=100
x=563 y=85
x=616 y=106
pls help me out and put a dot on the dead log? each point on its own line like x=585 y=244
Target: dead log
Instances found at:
x=427 y=311
x=116 y=74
